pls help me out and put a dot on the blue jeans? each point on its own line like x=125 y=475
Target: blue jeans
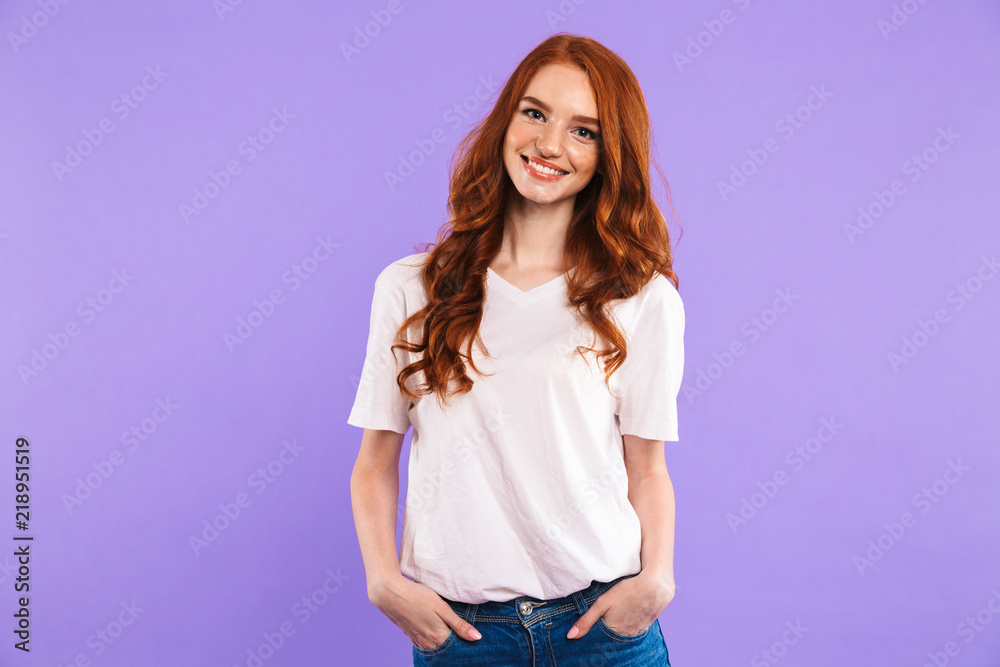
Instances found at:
x=527 y=631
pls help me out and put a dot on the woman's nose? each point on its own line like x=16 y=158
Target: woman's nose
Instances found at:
x=549 y=142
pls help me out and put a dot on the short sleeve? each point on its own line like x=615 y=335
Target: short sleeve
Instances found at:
x=379 y=404
x=650 y=379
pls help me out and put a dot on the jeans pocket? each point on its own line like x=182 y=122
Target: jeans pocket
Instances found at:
x=618 y=636
x=440 y=647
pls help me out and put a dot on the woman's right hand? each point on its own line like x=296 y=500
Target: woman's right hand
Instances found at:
x=419 y=612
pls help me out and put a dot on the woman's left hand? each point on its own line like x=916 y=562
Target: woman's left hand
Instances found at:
x=630 y=606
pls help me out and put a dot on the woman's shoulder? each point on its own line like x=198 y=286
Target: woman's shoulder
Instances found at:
x=657 y=298
x=402 y=271
x=658 y=289
x=661 y=288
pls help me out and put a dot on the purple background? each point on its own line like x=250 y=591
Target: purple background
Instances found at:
x=854 y=299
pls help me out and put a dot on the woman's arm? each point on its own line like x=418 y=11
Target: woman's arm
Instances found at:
x=652 y=496
x=374 y=499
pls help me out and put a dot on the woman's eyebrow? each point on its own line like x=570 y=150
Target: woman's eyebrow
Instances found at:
x=546 y=107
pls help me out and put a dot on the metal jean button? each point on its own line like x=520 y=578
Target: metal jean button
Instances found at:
x=525 y=608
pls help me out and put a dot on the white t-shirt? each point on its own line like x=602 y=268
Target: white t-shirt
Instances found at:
x=519 y=486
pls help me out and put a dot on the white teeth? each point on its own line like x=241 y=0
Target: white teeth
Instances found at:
x=544 y=170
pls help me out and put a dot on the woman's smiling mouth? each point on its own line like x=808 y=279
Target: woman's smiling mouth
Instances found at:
x=541 y=171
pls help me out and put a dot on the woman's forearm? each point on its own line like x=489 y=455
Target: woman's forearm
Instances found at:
x=652 y=497
x=374 y=498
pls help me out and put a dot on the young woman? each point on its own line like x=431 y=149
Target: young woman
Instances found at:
x=539 y=516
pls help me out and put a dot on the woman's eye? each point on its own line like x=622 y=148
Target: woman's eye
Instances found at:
x=529 y=112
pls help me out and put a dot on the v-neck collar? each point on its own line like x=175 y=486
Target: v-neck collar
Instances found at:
x=521 y=295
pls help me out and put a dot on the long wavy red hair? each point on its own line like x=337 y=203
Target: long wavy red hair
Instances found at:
x=617 y=238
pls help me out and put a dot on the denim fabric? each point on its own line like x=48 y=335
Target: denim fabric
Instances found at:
x=537 y=638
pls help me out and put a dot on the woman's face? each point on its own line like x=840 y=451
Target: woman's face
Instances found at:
x=555 y=125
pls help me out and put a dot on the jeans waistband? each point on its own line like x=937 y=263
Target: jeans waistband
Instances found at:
x=526 y=609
